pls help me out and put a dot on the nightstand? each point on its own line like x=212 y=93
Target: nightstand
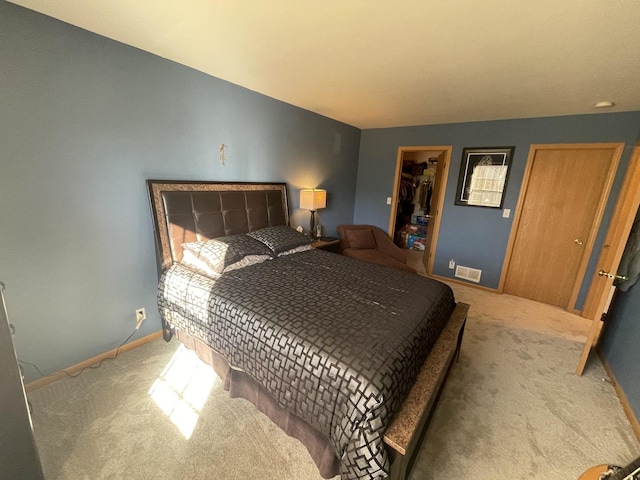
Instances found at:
x=330 y=244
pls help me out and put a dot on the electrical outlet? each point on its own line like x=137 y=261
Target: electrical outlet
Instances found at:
x=452 y=264
x=141 y=316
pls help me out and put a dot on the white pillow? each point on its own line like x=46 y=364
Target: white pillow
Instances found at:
x=301 y=248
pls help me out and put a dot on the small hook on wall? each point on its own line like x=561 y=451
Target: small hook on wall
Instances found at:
x=222 y=157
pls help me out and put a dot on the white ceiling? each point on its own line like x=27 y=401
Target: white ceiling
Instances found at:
x=382 y=63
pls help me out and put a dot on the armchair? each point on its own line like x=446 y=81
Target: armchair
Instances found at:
x=371 y=244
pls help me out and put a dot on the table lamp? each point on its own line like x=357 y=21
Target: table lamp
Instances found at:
x=313 y=199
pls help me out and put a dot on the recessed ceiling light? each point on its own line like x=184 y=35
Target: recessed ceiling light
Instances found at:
x=604 y=104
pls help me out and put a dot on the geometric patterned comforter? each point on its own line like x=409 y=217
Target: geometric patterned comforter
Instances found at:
x=336 y=341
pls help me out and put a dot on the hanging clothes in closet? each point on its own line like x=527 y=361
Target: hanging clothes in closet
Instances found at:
x=424 y=188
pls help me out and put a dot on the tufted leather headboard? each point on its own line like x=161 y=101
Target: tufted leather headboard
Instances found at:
x=187 y=211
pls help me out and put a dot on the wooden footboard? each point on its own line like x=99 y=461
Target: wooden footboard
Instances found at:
x=407 y=428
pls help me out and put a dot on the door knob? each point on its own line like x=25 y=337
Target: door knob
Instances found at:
x=602 y=273
x=577 y=241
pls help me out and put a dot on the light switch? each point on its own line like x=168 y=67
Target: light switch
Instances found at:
x=388 y=200
x=506 y=213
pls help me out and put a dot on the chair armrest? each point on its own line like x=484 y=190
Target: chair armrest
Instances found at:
x=385 y=245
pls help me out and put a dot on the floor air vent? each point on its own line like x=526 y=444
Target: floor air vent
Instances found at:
x=471 y=274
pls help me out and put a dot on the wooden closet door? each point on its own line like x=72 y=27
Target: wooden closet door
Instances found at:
x=434 y=213
x=564 y=192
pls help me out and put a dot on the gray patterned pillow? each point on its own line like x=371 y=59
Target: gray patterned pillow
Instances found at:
x=192 y=260
x=280 y=238
x=220 y=254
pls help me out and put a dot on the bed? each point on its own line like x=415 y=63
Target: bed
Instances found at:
x=347 y=356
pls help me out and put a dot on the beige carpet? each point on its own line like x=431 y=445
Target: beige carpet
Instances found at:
x=513 y=409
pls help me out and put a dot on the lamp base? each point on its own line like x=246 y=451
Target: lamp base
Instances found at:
x=312 y=230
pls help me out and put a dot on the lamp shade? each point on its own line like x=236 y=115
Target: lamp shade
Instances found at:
x=313 y=199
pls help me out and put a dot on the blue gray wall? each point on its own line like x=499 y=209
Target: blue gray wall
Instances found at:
x=83 y=122
x=620 y=341
x=474 y=236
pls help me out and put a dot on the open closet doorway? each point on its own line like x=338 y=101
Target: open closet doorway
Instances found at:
x=418 y=195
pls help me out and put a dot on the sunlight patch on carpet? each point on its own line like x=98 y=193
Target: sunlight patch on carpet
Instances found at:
x=182 y=389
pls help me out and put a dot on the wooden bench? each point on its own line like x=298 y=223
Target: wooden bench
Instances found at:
x=404 y=434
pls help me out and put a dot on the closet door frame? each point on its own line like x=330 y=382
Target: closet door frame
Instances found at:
x=436 y=203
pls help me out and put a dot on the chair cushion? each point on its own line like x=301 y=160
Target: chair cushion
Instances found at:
x=361 y=239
